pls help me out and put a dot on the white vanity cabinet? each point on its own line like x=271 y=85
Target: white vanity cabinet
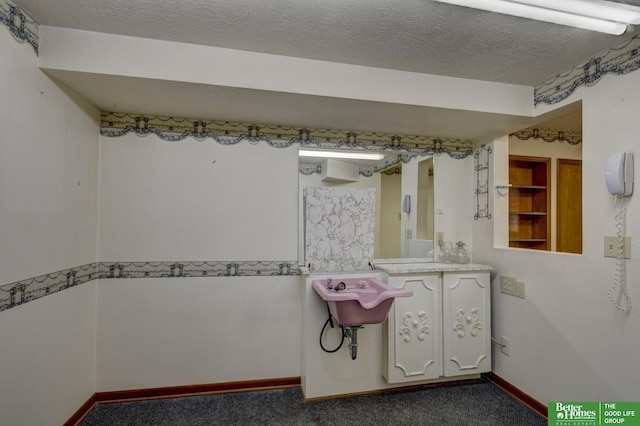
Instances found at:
x=466 y=320
x=412 y=334
x=444 y=329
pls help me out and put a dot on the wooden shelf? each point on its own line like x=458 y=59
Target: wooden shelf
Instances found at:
x=529 y=178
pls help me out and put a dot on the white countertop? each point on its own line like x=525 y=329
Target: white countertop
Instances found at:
x=403 y=260
x=409 y=267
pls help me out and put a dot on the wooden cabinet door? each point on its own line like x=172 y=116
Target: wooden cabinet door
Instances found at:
x=466 y=323
x=569 y=206
x=412 y=342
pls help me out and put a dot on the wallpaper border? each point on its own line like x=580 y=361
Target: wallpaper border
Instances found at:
x=24 y=291
x=175 y=129
x=620 y=59
x=549 y=136
x=19 y=24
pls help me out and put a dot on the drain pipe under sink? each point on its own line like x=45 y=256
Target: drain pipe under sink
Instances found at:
x=349 y=331
x=352 y=333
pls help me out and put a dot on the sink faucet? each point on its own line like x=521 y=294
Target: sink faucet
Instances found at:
x=329 y=284
x=340 y=286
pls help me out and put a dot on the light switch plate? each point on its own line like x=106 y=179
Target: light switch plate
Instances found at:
x=508 y=285
x=611 y=247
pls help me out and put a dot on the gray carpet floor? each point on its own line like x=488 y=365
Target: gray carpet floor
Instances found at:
x=465 y=404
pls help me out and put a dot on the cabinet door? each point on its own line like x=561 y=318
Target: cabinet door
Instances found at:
x=466 y=323
x=413 y=331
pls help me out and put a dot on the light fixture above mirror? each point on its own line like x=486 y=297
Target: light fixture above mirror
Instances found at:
x=350 y=155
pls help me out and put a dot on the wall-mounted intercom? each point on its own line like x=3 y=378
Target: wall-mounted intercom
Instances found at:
x=619 y=174
x=619 y=180
x=406 y=204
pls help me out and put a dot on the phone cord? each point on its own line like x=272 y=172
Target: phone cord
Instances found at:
x=623 y=300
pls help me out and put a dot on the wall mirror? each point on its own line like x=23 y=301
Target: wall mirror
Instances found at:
x=394 y=175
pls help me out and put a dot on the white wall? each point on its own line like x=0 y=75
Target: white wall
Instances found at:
x=191 y=200
x=201 y=201
x=568 y=341
x=48 y=357
x=48 y=188
x=48 y=166
x=184 y=331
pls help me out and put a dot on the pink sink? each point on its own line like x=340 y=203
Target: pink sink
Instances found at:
x=361 y=301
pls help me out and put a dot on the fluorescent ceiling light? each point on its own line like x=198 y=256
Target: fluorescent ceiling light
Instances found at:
x=346 y=155
x=595 y=15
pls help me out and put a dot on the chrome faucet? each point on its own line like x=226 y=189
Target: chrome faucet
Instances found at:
x=329 y=284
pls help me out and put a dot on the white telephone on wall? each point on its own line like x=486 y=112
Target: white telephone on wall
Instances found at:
x=619 y=174
x=619 y=180
x=406 y=204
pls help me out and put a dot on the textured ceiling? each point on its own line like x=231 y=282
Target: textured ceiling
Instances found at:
x=412 y=35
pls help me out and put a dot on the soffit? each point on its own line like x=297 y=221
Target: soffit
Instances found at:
x=411 y=35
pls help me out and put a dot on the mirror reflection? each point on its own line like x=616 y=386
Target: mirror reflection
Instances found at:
x=399 y=232
x=424 y=203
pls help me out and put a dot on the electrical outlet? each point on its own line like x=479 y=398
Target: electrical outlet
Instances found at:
x=611 y=247
x=440 y=238
x=508 y=285
x=409 y=234
x=519 y=289
x=505 y=346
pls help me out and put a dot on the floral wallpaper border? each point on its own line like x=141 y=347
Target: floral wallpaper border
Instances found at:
x=620 y=59
x=19 y=24
x=549 y=136
x=28 y=290
x=230 y=133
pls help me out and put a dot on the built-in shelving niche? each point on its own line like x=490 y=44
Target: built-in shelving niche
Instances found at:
x=529 y=222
